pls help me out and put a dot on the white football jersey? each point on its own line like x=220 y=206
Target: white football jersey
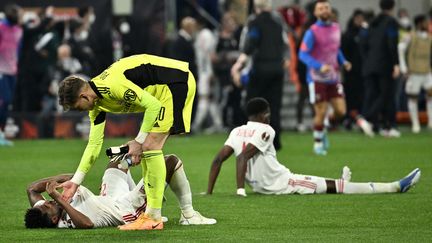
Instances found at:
x=103 y=211
x=264 y=173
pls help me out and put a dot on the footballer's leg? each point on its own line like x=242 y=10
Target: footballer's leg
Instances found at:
x=154 y=173
x=179 y=184
x=114 y=181
x=429 y=106
x=412 y=89
x=346 y=187
x=319 y=132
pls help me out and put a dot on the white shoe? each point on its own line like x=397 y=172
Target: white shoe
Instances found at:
x=196 y=219
x=393 y=133
x=301 y=128
x=319 y=149
x=366 y=127
x=346 y=173
x=415 y=128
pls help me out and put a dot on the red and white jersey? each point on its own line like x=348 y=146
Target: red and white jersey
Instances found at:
x=107 y=210
x=264 y=172
x=99 y=209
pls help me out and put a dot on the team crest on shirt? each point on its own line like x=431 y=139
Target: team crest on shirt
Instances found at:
x=129 y=95
x=265 y=136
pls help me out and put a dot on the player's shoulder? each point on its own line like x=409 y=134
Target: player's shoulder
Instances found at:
x=236 y=129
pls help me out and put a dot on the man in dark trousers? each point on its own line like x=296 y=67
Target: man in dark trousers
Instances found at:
x=381 y=67
x=265 y=43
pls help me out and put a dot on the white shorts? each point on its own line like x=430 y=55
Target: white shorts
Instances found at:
x=304 y=184
x=131 y=203
x=416 y=82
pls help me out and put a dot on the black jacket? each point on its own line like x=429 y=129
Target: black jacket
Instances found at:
x=381 y=46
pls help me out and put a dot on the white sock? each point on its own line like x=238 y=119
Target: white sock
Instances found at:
x=179 y=184
x=215 y=114
x=413 y=112
x=154 y=213
x=201 y=113
x=429 y=111
x=366 y=188
x=130 y=181
x=321 y=186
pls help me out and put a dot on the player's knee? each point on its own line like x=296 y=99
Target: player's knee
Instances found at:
x=340 y=112
x=172 y=163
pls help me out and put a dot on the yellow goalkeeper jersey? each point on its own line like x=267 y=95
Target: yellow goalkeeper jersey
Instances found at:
x=135 y=84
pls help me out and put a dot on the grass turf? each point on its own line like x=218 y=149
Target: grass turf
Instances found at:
x=290 y=218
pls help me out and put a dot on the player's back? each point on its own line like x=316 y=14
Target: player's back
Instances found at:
x=264 y=173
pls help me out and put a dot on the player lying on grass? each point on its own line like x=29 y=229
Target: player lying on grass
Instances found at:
x=258 y=166
x=120 y=201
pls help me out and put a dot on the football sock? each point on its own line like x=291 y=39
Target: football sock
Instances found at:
x=179 y=184
x=429 y=110
x=154 y=173
x=201 y=113
x=413 y=111
x=318 y=134
x=130 y=181
x=321 y=186
x=215 y=115
x=365 y=188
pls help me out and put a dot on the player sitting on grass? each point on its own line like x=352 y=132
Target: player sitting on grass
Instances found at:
x=258 y=166
x=120 y=200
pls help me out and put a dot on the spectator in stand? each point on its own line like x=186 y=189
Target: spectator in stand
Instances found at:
x=10 y=37
x=380 y=70
x=296 y=19
x=182 y=48
x=353 y=80
x=38 y=55
x=416 y=47
x=66 y=65
x=225 y=56
x=81 y=48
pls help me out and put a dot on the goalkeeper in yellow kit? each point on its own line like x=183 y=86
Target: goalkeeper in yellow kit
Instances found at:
x=161 y=88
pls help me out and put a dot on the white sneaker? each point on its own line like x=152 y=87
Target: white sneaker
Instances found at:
x=394 y=133
x=346 y=173
x=366 y=127
x=301 y=128
x=415 y=128
x=196 y=219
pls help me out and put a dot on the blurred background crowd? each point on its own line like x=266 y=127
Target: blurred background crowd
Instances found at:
x=54 y=39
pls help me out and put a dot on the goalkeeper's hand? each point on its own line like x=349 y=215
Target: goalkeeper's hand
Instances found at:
x=69 y=189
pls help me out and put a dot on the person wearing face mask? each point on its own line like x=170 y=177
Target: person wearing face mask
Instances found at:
x=10 y=36
x=81 y=48
x=414 y=56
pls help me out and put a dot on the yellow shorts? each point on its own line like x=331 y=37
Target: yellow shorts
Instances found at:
x=176 y=110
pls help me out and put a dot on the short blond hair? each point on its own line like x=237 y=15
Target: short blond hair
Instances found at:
x=263 y=4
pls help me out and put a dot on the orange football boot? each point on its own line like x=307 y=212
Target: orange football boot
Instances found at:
x=143 y=222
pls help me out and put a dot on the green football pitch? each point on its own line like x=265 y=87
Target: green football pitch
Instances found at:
x=290 y=218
